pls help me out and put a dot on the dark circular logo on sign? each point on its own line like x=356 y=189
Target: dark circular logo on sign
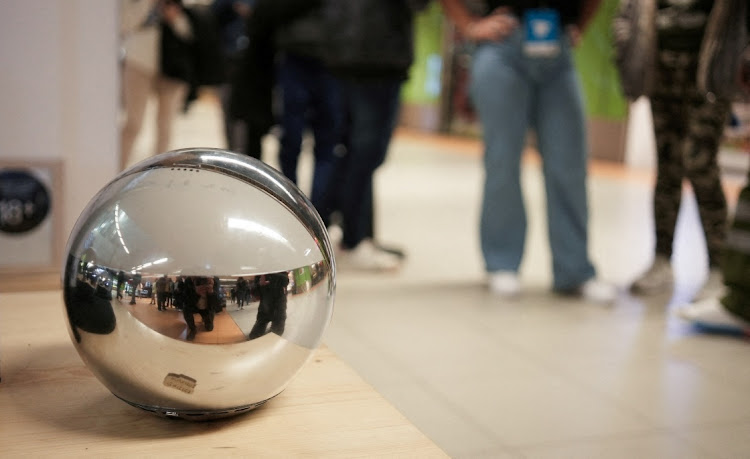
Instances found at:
x=24 y=201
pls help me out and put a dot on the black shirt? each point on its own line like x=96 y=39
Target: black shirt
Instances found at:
x=570 y=10
x=680 y=24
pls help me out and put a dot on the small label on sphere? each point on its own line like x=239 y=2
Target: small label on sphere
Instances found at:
x=180 y=382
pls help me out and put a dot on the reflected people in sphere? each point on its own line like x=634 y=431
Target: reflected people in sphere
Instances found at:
x=88 y=304
x=200 y=298
x=272 y=289
x=192 y=308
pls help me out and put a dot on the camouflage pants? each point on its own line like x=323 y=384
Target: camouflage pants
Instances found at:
x=688 y=127
x=736 y=262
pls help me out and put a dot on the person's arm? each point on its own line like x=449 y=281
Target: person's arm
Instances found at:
x=133 y=15
x=177 y=20
x=494 y=27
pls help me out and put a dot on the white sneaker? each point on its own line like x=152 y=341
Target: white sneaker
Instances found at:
x=712 y=315
x=335 y=235
x=713 y=287
x=366 y=257
x=598 y=291
x=657 y=279
x=504 y=283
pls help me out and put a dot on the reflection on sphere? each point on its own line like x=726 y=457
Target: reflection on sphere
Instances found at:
x=198 y=283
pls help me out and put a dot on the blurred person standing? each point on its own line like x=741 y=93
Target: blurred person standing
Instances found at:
x=272 y=289
x=162 y=288
x=200 y=298
x=156 y=37
x=231 y=18
x=724 y=68
x=370 y=49
x=310 y=98
x=689 y=123
x=523 y=76
x=254 y=82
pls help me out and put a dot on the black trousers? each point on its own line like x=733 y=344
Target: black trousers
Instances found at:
x=188 y=312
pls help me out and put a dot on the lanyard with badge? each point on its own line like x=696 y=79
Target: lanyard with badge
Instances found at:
x=542 y=32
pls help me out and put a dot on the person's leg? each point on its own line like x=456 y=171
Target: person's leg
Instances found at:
x=373 y=107
x=735 y=265
x=208 y=318
x=561 y=135
x=729 y=313
x=234 y=131
x=188 y=315
x=668 y=109
x=278 y=322
x=668 y=112
x=326 y=124
x=502 y=94
x=295 y=81
x=330 y=208
x=261 y=323
x=254 y=139
x=137 y=86
x=171 y=94
x=705 y=128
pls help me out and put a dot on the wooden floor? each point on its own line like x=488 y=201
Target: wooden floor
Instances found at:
x=29 y=282
x=172 y=323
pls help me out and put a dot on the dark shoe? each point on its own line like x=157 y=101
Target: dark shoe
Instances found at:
x=191 y=335
x=209 y=327
x=397 y=251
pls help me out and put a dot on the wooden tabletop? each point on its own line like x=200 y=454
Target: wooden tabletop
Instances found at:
x=52 y=406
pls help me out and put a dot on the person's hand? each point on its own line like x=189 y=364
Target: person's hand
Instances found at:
x=574 y=33
x=495 y=27
x=170 y=11
x=242 y=9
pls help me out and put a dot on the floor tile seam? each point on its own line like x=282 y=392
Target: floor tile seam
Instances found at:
x=716 y=376
x=543 y=366
x=712 y=425
x=432 y=391
x=606 y=438
x=688 y=435
x=624 y=404
x=682 y=428
x=571 y=377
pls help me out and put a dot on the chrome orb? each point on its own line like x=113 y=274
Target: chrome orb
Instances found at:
x=198 y=283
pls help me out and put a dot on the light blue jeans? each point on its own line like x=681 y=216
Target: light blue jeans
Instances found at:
x=512 y=94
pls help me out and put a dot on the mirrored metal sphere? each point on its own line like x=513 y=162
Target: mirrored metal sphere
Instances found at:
x=198 y=283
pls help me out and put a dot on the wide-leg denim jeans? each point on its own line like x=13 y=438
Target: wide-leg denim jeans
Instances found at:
x=513 y=93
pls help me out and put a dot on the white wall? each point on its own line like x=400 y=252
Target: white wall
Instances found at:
x=59 y=91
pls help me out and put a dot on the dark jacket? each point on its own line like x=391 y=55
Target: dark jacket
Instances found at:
x=369 y=38
x=253 y=83
x=206 y=49
x=720 y=55
x=176 y=56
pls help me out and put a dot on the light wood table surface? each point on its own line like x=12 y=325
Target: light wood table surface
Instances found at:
x=52 y=406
